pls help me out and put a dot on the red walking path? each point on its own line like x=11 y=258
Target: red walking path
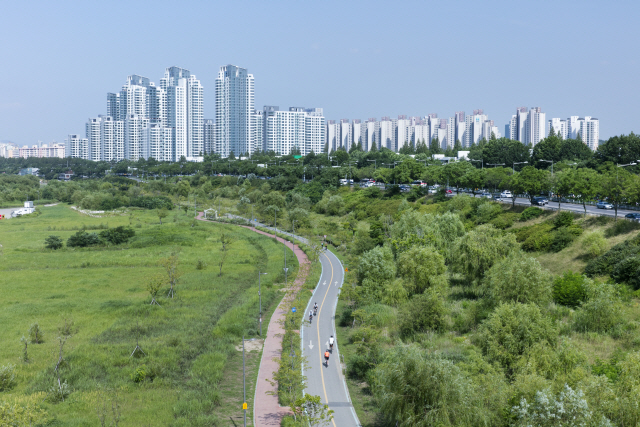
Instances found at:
x=266 y=410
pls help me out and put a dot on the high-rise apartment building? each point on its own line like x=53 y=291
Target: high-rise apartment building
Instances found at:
x=386 y=134
x=209 y=135
x=528 y=127
x=157 y=142
x=587 y=128
x=75 y=146
x=298 y=129
x=368 y=133
x=184 y=111
x=106 y=139
x=234 y=110
x=332 y=136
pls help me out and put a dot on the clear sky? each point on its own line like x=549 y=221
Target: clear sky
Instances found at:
x=355 y=59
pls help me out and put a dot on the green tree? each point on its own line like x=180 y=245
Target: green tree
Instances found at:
x=456 y=173
x=422 y=268
x=586 y=185
x=547 y=149
x=376 y=268
x=511 y=329
x=415 y=388
x=479 y=249
x=423 y=313
x=532 y=181
x=622 y=149
x=575 y=150
x=162 y=213
x=475 y=179
x=311 y=410
x=613 y=187
x=518 y=278
x=602 y=311
x=53 y=242
x=434 y=146
x=505 y=151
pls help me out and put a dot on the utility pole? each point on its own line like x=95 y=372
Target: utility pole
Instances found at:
x=260 y=298
x=195 y=209
x=284 y=242
x=244 y=388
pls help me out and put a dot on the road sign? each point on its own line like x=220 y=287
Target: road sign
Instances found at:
x=293 y=309
x=297 y=156
x=346 y=269
x=285 y=269
x=244 y=405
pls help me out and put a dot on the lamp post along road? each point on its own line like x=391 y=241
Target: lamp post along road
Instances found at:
x=260 y=298
x=517 y=163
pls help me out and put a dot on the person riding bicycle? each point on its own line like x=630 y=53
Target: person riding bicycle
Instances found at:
x=331 y=341
x=326 y=357
x=310 y=316
x=315 y=306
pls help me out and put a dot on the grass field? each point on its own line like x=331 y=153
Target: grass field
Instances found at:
x=192 y=369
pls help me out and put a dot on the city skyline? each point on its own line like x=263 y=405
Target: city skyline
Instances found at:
x=316 y=60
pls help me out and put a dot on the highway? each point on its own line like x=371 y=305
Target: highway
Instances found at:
x=566 y=206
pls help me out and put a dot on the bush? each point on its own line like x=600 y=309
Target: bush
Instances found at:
x=622 y=227
x=595 y=244
x=117 y=235
x=530 y=213
x=605 y=264
x=487 y=211
x=511 y=329
x=538 y=242
x=602 y=311
x=148 y=202
x=58 y=393
x=563 y=219
x=53 y=242
x=83 y=239
x=424 y=312
x=7 y=377
x=628 y=271
x=562 y=238
x=518 y=278
x=504 y=221
x=569 y=289
x=35 y=334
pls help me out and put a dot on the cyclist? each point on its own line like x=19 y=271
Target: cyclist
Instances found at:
x=326 y=357
x=310 y=316
x=315 y=306
x=331 y=341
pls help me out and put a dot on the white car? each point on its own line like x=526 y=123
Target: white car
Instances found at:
x=506 y=195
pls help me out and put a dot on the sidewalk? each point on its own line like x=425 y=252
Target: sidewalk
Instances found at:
x=267 y=411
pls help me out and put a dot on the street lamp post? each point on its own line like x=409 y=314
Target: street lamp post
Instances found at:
x=549 y=161
x=260 y=298
x=517 y=163
x=375 y=163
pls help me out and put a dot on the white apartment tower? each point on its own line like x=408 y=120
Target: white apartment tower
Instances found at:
x=314 y=131
x=369 y=131
x=332 y=136
x=356 y=131
x=184 y=111
x=106 y=139
x=588 y=128
x=77 y=147
x=157 y=142
x=345 y=134
x=297 y=129
x=234 y=110
x=209 y=135
x=386 y=134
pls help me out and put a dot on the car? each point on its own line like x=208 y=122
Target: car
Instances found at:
x=539 y=201
x=633 y=217
x=448 y=191
x=486 y=195
x=604 y=205
x=497 y=197
x=506 y=194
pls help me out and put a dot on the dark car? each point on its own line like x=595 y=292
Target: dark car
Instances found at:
x=539 y=201
x=633 y=216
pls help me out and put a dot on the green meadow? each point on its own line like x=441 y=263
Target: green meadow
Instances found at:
x=191 y=370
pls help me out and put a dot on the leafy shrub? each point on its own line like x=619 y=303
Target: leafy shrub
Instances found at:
x=424 y=312
x=605 y=264
x=117 y=235
x=602 y=310
x=563 y=219
x=518 y=278
x=562 y=238
x=53 y=242
x=58 y=393
x=148 y=202
x=530 y=213
x=7 y=377
x=35 y=334
x=522 y=234
x=487 y=211
x=200 y=265
x=511 y=329
x=628 y=271
x=595 y=244
x=505 y=221
x=622 y=227
x=538 y=242
x=569 y=289
x=83 y=239
x=139 y=374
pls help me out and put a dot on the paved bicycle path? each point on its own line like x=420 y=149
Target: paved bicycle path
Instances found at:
x=266 y=410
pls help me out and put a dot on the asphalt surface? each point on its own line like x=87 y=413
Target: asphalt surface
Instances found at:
x=328 y=382
x=566 y=206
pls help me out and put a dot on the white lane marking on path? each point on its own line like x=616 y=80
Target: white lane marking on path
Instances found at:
x=325 y=282
x=336 y=283
x=310 y=345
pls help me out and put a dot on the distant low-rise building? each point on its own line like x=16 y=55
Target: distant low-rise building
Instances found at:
x=66 y=176
x=29 y=171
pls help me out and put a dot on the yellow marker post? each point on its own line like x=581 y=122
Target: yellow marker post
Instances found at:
x=244 y=406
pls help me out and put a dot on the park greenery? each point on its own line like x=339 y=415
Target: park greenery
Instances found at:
x=455 y=310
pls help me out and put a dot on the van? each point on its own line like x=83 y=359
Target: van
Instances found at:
x=506 y=194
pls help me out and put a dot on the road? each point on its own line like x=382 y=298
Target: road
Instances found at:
x=592 y=210
x=326 y=382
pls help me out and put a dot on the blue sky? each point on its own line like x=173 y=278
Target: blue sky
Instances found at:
x=354 y=59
